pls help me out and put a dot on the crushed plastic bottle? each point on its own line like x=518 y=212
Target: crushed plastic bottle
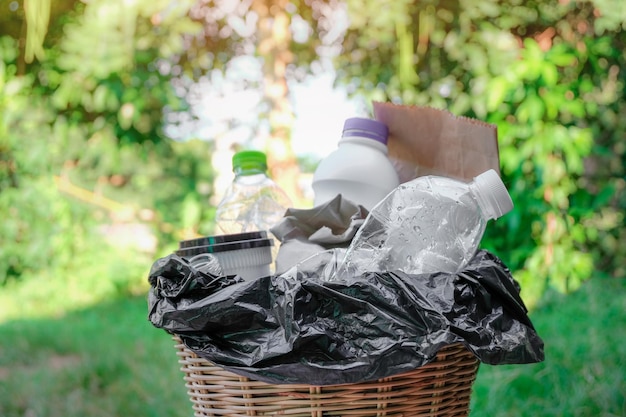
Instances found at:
x=430 y=224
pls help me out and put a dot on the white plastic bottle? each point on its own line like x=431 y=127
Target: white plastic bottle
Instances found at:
x=430 y=224
x=253 y=202
x=359 y=169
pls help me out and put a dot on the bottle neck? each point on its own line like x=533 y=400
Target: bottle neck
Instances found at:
x=486 y=208
x=361 y=140
x=246 y=172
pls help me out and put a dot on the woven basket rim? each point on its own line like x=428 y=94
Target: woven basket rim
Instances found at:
x=440 y=388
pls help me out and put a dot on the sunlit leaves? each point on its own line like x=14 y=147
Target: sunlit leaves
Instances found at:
x=612 y=16
x=37 y=13
x=561 y=55
x=406 y=70
x=531 y=109
x=552 y=79
x=27 y=193
x=90 y=116
x=496 y=91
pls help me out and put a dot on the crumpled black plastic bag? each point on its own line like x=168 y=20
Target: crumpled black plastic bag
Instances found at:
x=285 y=330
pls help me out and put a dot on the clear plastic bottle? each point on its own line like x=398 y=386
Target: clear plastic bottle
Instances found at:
x=430 y=224
x=253 y=202
x=359 y=168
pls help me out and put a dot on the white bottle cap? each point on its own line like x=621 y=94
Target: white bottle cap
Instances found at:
x=494 y=195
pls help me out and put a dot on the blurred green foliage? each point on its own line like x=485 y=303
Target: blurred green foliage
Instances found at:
x=551 y=77
x=82 y=143
x=82 y=150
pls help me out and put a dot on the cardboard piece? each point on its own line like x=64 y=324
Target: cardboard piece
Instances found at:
x=428 y=141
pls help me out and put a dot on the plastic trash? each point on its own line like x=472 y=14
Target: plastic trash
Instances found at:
x=253 y=202
x=359 y=168
x=429 y=224
x=306 y=232
x=296 y=328
x=248 y=255
x=207 y=263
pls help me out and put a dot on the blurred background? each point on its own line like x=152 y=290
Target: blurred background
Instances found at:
x=118 y=119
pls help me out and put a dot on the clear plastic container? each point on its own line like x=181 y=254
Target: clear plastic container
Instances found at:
x=359 y=169
x=430 y=224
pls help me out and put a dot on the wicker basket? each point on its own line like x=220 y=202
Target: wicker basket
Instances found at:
x=440 y=388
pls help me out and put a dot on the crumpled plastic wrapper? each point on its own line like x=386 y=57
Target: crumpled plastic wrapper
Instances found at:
x=306 y=232
x=297 y=328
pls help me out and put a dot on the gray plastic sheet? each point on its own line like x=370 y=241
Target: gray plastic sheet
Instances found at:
x=300 y=329
x=306 y=232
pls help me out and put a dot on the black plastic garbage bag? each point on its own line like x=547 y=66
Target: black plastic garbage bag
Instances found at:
x=285 y=330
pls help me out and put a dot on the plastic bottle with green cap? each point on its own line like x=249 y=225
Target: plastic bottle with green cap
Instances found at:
x=253 y=201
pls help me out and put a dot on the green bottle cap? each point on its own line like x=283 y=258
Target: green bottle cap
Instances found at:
x=249 y=160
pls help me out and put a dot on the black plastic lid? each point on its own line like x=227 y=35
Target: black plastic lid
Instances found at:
x=213 y=240
x=225 y=247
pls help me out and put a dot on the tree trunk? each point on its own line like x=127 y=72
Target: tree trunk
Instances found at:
x=273 y=42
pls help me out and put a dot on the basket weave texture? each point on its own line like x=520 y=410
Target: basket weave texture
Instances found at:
x=441 y=388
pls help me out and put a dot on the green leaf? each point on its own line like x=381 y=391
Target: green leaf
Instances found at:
x=531 y=109
x=496 y=91
x=604 y=197
x=549 y=74
x=575 y=107
x=100 y=96
x=190 y=212
x=561 y=56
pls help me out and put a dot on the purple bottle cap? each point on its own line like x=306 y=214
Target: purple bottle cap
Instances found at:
x=368 y=128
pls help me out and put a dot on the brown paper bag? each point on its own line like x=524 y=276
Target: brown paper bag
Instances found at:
x=428 y=141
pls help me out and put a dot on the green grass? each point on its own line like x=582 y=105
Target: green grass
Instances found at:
x=104 y=361
x=108 y=360
x=584 y=373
